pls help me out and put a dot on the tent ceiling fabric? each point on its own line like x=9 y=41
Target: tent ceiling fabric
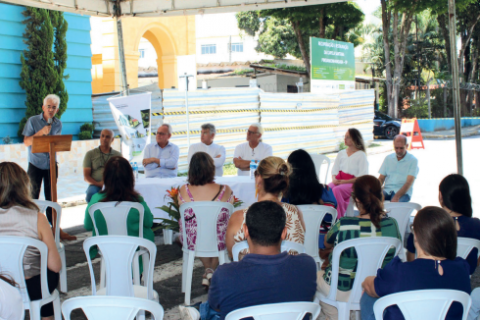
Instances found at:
x=151 y=8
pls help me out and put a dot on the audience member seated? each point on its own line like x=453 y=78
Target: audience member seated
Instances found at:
x=263 y=276
x=304 y=187
x=119 y=186
x=160 y=158
x=436 y=266
x=94 y=163
x=217 y=152
x=454 y=197
x=474 y=313
x=11 y=302
x=350 y=164
x=253 y=149
x=20 y=217
x=271 y=181
x=202 y=187
x=372 y=222
x=398 y=172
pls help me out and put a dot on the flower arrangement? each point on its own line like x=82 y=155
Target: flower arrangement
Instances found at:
x=172 y=208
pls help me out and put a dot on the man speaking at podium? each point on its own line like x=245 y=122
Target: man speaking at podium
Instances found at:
x=43 y=124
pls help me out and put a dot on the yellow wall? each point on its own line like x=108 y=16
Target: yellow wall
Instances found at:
x=171 y=37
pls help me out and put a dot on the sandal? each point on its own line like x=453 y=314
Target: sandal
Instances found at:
x=207 y=276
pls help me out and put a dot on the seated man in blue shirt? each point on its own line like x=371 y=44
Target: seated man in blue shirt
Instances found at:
x=398 y=172
x=161 y=157
x=263 y=276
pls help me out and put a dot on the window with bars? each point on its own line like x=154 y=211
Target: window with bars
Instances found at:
x=237 y=47
x=209 y=48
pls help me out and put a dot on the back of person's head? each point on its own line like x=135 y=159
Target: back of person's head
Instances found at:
x=201 y=170
x=15 y=187
x=357 y=139
x=274 y=173
x=265 y=221
x=435 y=232
x=119 y=181
x=367 y=191
x=456 y=194
x=304 y=187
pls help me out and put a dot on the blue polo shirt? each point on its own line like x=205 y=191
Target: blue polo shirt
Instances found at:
x=33 y=125
x=168 y=160
x=396 y=172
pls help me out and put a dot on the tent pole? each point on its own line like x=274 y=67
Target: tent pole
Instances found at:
x=121 y=57
x=452 y=21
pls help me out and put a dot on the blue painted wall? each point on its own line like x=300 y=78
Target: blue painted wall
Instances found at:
x=79 y=65
x=431 y=125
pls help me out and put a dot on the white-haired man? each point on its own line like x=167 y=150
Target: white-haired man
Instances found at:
x=44 y=124
x=216 y=151
x=253 y=149
x=161 y=157
x=94 y=163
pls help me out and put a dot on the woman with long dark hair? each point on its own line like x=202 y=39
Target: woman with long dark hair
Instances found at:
x=436 y=266
x=350 y=164
x=304 y=187
x=119 y=186
x=371 y=222
x=20 y=217
x=454 y=197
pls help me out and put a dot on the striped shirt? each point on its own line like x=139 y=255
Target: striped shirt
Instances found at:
x=349 y=228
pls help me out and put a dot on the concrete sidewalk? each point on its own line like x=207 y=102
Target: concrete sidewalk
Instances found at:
x=450 y=134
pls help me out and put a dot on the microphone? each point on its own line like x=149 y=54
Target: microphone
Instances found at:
x=49 y=121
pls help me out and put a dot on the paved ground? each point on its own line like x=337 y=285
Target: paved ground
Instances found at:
x=436 y=161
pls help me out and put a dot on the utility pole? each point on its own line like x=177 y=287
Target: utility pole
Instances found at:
x=452 y=21
x=186 y=104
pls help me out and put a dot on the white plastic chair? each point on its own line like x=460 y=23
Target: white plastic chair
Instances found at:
x=206 y=245
x=286 y=246
x=370 y=252
x=318 y=160
x=401 y=212
x=43 y=205
x=116 y=214
x=313 y=216
x=118 y=253
x=276 y=311
x=118 y=308
x=423 y=304
x=466 y=245
x=12 y=251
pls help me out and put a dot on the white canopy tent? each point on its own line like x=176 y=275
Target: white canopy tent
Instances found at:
x=166 y=8
x=162 y=8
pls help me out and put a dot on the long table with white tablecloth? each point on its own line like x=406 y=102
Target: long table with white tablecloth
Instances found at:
x=154 y=190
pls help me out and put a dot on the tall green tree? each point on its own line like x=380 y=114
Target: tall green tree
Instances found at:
x=288 y=30
x=44 y=61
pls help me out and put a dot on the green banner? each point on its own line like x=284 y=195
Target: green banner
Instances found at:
x=332 y=60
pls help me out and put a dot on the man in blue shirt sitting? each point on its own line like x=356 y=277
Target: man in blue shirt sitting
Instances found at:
x=398 y=172
x=263 y=276
x=161 y=157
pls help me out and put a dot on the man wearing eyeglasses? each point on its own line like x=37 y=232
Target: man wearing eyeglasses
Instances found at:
x=253 y=149
x=161 y=157
x=217 y=152
x=44 y=124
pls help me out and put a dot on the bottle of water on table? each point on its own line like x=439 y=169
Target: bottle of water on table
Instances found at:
x=135 y=170
x=253 y=167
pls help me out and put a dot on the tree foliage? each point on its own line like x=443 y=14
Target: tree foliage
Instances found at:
x=44 y=61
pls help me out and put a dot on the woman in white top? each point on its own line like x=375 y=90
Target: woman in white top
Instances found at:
x=350 y=164
x=11 y=303
x=20 y=217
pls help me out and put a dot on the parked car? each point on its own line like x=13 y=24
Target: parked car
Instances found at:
x=385 y=126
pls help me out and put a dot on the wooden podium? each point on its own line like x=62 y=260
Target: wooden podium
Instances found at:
x=52 y=145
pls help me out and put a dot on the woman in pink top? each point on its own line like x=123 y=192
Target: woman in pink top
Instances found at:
x=350 y=164
x=202 y=187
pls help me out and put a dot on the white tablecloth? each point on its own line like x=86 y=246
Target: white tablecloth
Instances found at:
x=154 y=190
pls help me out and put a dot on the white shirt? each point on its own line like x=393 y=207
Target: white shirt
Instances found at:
x=213 y=150
x=168 y=160
x=259 y=153
x=11 y=303
x=356 y=164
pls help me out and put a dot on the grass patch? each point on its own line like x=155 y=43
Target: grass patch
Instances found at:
x=229 y=169
x=373 y=145
x=342 y=146
x=243 y=71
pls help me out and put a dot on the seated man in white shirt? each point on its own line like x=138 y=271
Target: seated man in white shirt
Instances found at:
x=216 y=151
x=160 y=158
x=253 y=149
